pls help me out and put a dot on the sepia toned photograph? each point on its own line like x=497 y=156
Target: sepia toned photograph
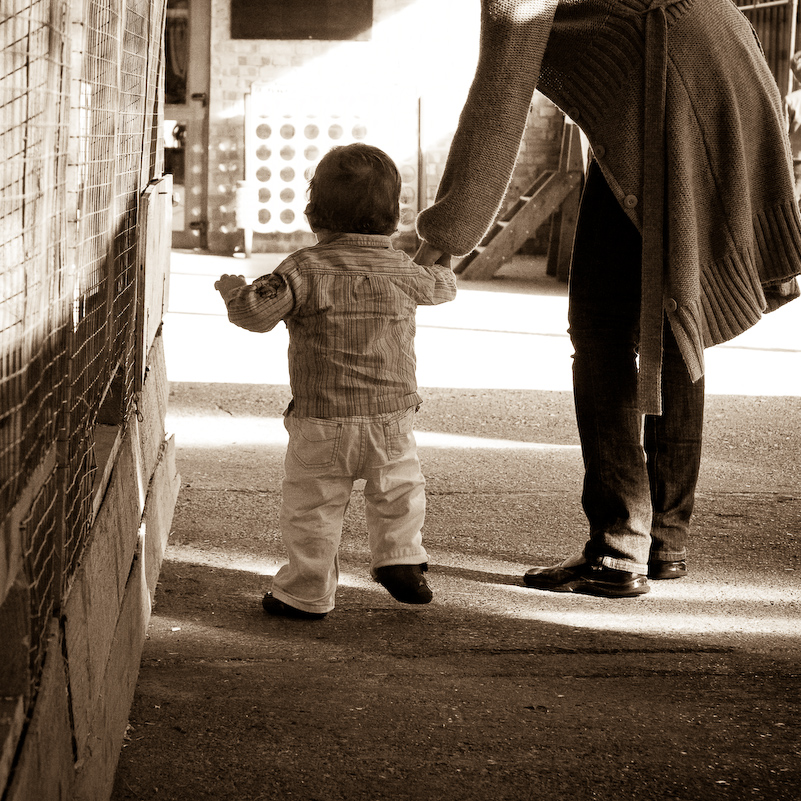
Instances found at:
x=400 y=399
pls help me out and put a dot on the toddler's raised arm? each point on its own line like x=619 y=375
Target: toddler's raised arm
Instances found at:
x=259 y=306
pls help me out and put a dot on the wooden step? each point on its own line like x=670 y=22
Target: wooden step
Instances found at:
x=553 y=194
x=545 y=198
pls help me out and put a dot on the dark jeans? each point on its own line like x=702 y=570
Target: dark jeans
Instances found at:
x=640 y=472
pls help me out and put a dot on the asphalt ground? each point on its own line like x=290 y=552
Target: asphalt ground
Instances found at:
x=494 y=690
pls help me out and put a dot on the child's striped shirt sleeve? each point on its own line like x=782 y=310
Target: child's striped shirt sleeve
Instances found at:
x=260 y=306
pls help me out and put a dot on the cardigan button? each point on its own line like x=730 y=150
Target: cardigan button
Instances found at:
x=671 y=305
x=573 y=113
x=600 y=152
x=630 y=201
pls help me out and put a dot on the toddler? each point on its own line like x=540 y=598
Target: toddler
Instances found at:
x=349 y=303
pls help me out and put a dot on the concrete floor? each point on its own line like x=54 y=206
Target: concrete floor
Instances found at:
x=494 y=690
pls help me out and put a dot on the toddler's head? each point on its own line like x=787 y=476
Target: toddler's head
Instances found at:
x=356 y=190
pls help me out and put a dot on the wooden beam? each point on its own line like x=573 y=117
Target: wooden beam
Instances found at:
x=511 y=236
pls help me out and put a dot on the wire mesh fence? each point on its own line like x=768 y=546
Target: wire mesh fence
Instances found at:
x=79 y=135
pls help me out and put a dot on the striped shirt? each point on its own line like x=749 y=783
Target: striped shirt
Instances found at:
x=349 y=303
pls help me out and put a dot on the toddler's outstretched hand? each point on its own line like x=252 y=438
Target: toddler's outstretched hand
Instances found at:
x=228 y=282
x=428 y=255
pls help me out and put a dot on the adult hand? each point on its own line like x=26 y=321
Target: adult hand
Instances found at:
x=428 y=255
x=226 y=283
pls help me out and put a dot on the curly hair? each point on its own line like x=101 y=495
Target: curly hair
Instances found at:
x=355 y=189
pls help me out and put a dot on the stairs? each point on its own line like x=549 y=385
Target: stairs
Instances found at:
x=555 y=194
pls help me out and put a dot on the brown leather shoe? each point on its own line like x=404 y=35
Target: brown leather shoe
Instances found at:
x=405 y=583
x=659 y=570
x=273 y=606
x=587 y=579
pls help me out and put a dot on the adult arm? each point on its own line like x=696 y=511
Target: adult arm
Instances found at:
x=514 y=34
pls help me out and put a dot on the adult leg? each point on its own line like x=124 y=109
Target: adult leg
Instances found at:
x=673 y=448
x=604 y=329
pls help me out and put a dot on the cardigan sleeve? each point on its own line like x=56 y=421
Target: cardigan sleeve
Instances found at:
x=514 y=34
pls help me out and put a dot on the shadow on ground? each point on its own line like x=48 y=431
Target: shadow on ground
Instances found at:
x=492 y=691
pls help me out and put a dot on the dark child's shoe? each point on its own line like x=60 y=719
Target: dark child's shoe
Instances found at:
x=405 y=583
x=658 y=570
x=275 y=607
x=587 y=578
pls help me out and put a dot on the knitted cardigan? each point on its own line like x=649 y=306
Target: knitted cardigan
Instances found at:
x=687 y=124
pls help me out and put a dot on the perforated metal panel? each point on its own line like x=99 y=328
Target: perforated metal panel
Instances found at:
x=286 y=135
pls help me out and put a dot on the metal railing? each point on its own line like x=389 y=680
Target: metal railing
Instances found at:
x=775 y=22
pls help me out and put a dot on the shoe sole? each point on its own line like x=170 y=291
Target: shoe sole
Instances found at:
x=425 y=598
x=403 y=593
x=608 y=590
x=583 y=586
x=272 y=606
x=664 y=575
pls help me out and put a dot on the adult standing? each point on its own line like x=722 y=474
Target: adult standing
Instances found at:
x=688 y=232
